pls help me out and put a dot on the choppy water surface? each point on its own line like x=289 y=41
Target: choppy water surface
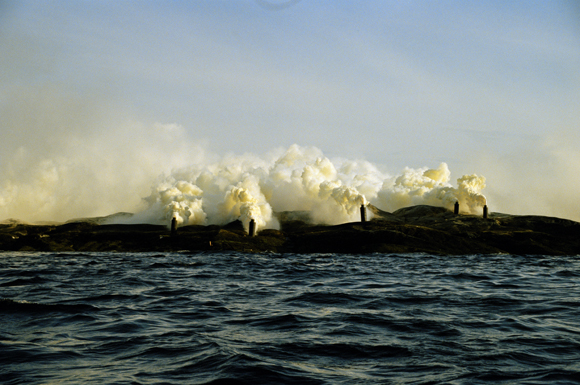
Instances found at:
x=307 y=319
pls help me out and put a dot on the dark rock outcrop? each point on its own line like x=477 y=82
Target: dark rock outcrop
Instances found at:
x=412 y=229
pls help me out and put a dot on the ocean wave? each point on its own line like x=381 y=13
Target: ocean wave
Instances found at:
x=306 y=319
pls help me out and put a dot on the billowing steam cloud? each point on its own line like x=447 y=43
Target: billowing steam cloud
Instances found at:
x=68 y=161
x=300 y=179
x=64 y=156
x=431 y=187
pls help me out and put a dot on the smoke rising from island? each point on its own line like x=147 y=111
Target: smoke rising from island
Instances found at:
x=65 y=157
x=71 y=162
x=301 y=179
x=191 y=109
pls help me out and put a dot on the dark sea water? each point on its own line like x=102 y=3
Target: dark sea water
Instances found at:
x=221 y=318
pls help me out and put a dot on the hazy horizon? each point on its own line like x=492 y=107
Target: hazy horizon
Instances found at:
x=121 y=106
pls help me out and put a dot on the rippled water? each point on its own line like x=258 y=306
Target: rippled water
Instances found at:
x=218 y=318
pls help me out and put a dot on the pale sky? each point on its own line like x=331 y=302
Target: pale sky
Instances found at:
x=489 y=87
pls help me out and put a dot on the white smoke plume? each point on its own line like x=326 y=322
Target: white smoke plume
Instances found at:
x=300 y=179
x=65 y=156
x=72 y=160
x=432 y=187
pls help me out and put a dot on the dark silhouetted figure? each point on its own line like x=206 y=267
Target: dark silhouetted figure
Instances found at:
x=174 y=227
x=363 y=213
x=252 y=229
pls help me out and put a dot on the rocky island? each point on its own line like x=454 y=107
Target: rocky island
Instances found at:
x=408 y=230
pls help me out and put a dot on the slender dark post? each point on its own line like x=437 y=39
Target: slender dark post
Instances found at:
x=174 y=226
x=252 y=229
x=363 y=213
x=456 y=211
x=485 y=212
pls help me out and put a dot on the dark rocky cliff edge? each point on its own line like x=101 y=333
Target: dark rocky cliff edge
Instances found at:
x=408 y=230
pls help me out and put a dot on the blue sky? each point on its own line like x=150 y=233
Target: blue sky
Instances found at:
x=490 y=87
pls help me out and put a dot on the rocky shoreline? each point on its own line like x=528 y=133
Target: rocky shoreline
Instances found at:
x=409 y=230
